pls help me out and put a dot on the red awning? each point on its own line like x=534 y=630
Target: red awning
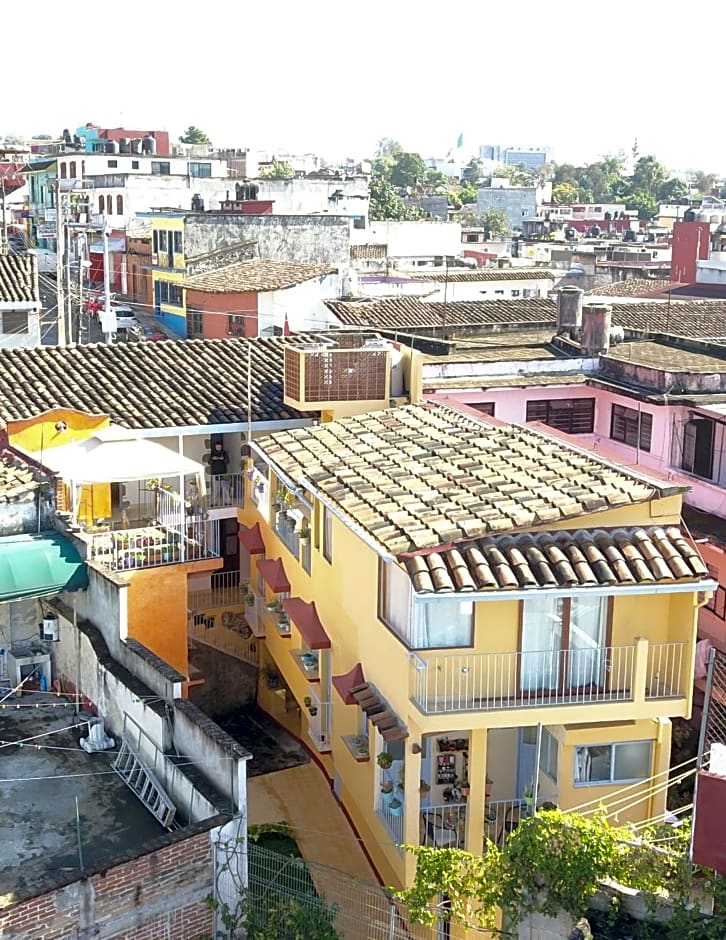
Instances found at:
x=252 y=539
x=305 y=617
x=273 y=572
x=345 y=683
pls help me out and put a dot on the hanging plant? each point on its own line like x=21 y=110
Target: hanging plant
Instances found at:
x=304 y=530
x=384 y=760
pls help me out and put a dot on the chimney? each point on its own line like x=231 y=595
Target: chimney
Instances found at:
x=569 y=310
x=597 y=321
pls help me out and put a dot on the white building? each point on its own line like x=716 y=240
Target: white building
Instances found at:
x=19 y=301
x=347 y=196
x=409 y=244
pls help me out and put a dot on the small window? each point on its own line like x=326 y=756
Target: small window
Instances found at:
x=327 y=535
x=155 y=241
x=112 y=164
x=359 y=221
x=160 y=168
x=484 y=407
x=612 y=763
x=119 y=205
x=163 y=240
x=236 y=324
x=134 y=164
x=631 y=427
x=200 y=170
x=15 y=322
x=472 y=238
x=571 y=415
x=109 y=204
x=177 y=242
x=101 y=204
x=195 y=324
x=63 y=171
x=175 y=295
x=515 y=293
x=72 y=169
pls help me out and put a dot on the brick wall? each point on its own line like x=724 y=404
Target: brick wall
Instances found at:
x=158 y=894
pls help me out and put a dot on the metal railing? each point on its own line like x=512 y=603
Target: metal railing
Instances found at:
x=502 y=817
x=444 y=826
x=391 y=813
x=445 y=682
x=226 y=489
x=226 y=589
x=319 y=714
x=155 y=545
x=228 y=632
x=664 y=678
x=285 y=528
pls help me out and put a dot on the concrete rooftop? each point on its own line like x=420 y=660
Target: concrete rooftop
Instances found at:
x=38 y=789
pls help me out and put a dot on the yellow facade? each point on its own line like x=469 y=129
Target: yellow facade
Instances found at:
x=168 y=265
x=346 y=592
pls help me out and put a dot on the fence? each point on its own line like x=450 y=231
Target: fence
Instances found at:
x=226 y=489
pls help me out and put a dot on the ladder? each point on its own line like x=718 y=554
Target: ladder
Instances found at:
x=141 y=780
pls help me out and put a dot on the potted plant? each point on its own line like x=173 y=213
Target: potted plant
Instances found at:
x=402 y=777
x=304 y=530
x=307 y=701
x=274 y=606
x=313 y=710
x=528 y=796
x=249 y=599
x=395 y=807
x=283 y=622
x=384 y=760
x=464 y=788
x=272 y=675
x=424 y=788
x=387 y=791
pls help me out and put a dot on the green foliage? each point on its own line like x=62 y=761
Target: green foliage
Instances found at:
x=704 y=182
x=673 y=190
x=565 y=193
x=552 y=862
x=285 y=918
x=385 y=203
x=408 y=170
x=467 y=193
x=473 y=172
x=277 y=171
x=646 y=204
x=388 y=147
x=496 y=221
x=194 y=135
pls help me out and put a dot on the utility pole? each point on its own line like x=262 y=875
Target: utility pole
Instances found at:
x=4 y=243
x=60 y=267
x=109 y=318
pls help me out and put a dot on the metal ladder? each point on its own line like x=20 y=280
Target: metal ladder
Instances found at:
x=141 y=780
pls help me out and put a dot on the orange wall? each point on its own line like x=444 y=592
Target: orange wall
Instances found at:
x=40 y=432
x=218 y=305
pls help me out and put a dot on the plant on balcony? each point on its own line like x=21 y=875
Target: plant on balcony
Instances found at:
x=272 y=675
x=463 y=787
x=424 y=788
x=274 y=607
x=384 y=760
x=304 y=532
x=307 y=701
x=387 y=791
x=283 y=621
x=395 y=807
x=249 y=599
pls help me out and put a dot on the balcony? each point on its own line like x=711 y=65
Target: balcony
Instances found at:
x=319 y=714
x=483 y=682
x=226 y=489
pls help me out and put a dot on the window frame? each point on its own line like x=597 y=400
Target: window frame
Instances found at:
x=635 y=429
x=562 y=406
x=612 y=779
x=160 y=168
x=195 y=166
x=326 y=528
x=21 y=326
x=549 y=755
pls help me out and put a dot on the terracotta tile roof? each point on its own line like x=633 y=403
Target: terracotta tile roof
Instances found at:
x=16 y=479
x=18 y=278
x=257 y=275
x=706 y=318
x=485 y=274
x=379 y=712
x=412 y=313
x=423 y=476
x=368 y=252
x=149 y=385
x=578 y=559
x=630 y=287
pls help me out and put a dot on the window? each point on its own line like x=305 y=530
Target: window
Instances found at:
x=572 y=415
x=202 y=170
x=134 y=164
x=631 y=427
x=160 y=168
x=433 y=625
x=195 y=324
x=549 y=754
x=112 y=164
x=101 y=204
x=109 y=204
x=176 y=297
x=717 y=602
x=163 y=240
x=177 y=242
x=63 y=171
x=563 y=644
x=515 y=293
x=72 y=169
x=119 y=205
x=359 y=221
x=612 y=763
x=236 y=324
x=472 y=238
x=484 y=407
x=698 y=435
x=15 y=322
x=327 y=535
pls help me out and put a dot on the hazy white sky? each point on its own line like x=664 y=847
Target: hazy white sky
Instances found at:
x=334 y=76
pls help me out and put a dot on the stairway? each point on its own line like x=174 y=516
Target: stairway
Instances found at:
x=141 y=780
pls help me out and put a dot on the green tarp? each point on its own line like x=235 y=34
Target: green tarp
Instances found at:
x=37 y=565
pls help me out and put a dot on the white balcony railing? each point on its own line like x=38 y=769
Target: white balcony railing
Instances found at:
x=319 y=714
x=391 y=814
x=155 y=545
x=226 y=489
x=226 y=589
x=446 y=682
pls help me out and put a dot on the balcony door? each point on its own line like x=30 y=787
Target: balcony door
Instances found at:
x=563 y=644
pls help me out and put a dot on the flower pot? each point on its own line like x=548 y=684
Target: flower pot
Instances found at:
x=395 y=807
x=465 y=791
x=313 y=711
x=387 y=796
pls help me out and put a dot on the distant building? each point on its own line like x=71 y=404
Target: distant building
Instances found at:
x=530 y=157
x=517 y=202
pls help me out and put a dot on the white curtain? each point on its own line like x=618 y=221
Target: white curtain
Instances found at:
x=442 y=624
x=541 y=643
x=586 y=660
x=397 y=599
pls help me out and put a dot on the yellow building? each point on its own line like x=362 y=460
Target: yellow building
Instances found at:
x=463 y=620
x=168 y=268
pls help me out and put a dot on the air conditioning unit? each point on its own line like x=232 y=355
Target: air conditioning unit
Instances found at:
x=49 y=628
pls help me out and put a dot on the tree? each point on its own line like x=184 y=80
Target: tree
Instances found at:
x=473 y=172
x=646 y=204
x=648 y=176
x=388 y=147
x=496 y=221
x=704 y=182
x=467 y=193
x=193 y=135
x=408 y=170
x=673 y=190
x=277 y=171
x=564 y=194
x=385 y=203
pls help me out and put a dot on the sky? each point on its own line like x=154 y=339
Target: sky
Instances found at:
x=333 y=77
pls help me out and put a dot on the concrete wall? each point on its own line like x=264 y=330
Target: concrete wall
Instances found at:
x=423 y=239
x=20 y=340
x=21 y=515
x=319 y=239
x=312 y=196
x=156 y=894
x=19 y=622
x=302 y=304
x=105 y=604
x=516 y=203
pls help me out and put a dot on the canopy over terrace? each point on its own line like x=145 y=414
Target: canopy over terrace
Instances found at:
x=114 y=455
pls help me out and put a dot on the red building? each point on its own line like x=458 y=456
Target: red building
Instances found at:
x=691 y=243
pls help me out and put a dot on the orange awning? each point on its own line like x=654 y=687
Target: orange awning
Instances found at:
x=273 y=572
x=305 y=617
x=343 y=684
x=252 y=539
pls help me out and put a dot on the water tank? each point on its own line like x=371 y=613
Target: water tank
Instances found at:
x=148 y=144
x=124 y=145
x=597 y=322
x=197 y=203
x=689 y=216
x=111 y=146
x=569 y=309
x=136 y=145
x=50 y=628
